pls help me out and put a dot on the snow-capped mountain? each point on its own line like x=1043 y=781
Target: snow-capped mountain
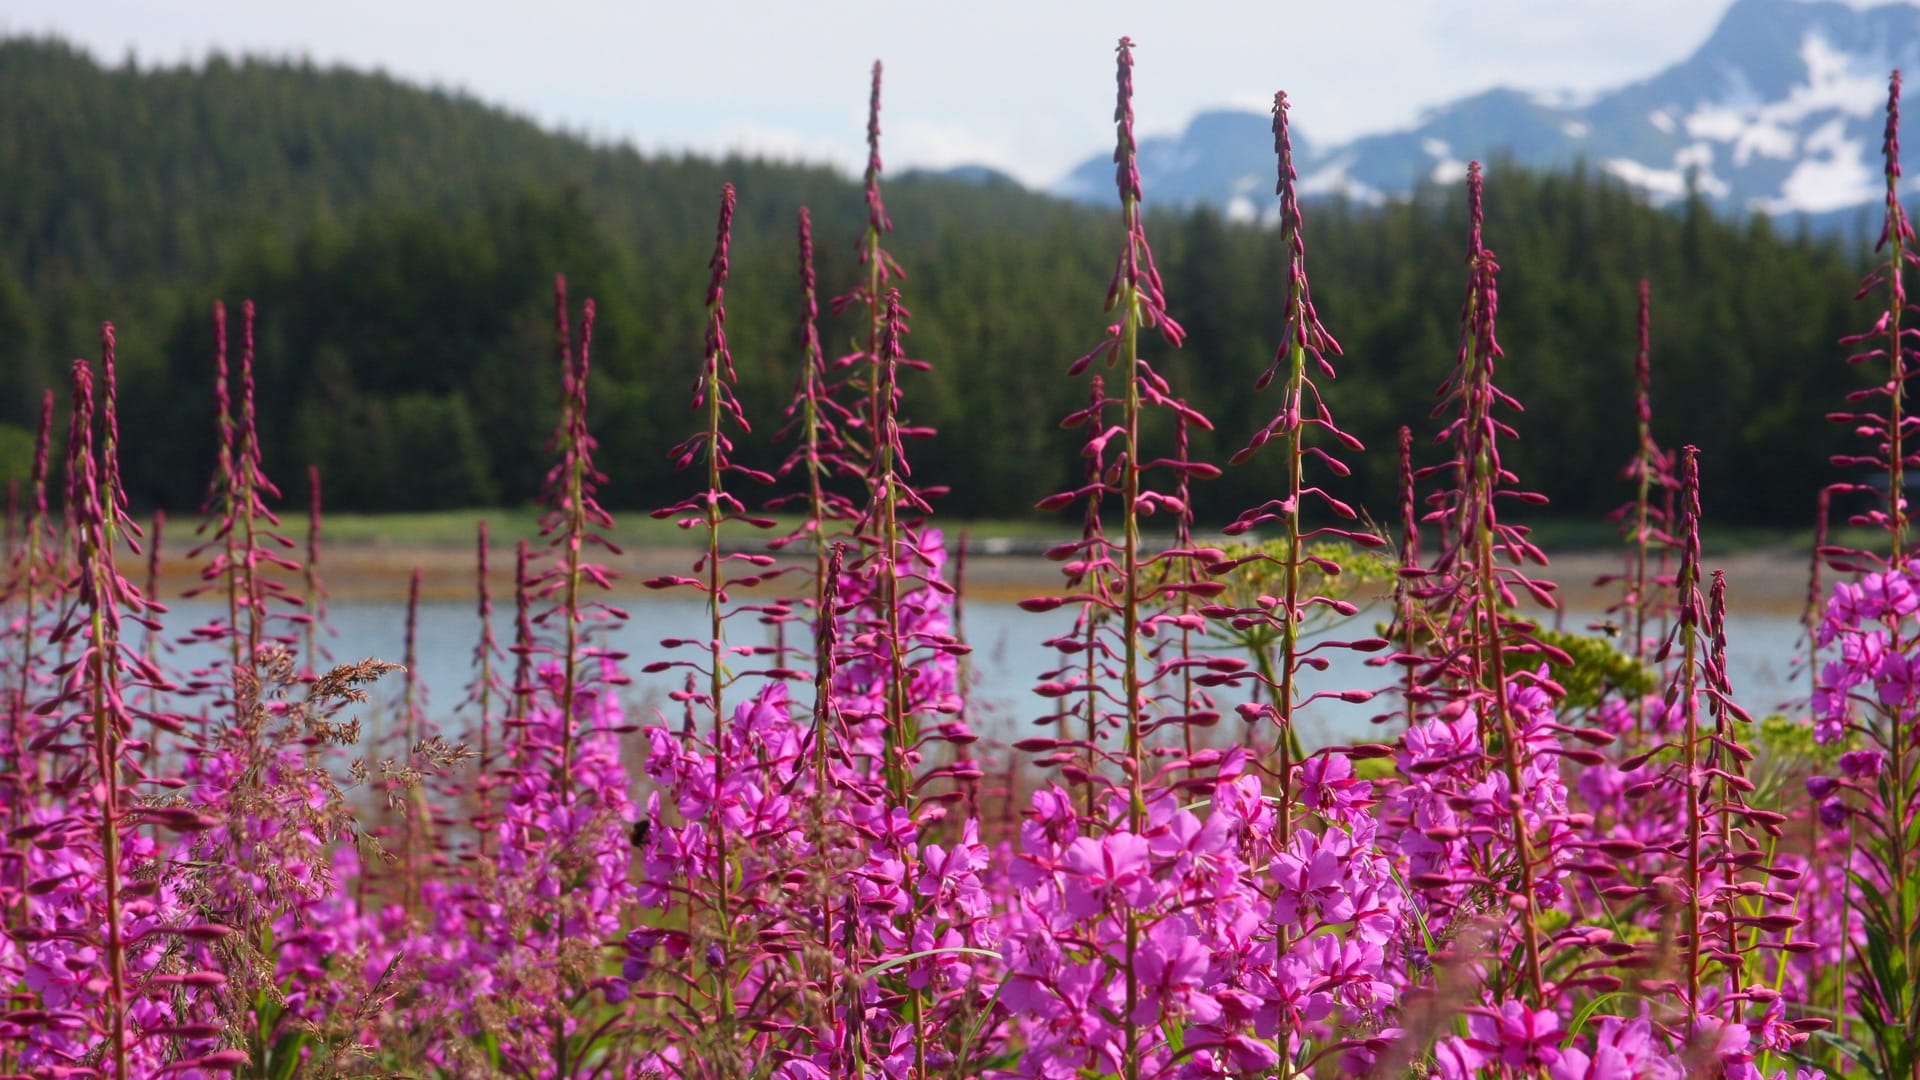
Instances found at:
x=1780 y=110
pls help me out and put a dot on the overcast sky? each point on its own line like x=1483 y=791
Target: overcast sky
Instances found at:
x=1023 y=85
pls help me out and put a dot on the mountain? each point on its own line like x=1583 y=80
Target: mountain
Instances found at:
x=976 y=175
x=1780 y=110
x=1224 y=156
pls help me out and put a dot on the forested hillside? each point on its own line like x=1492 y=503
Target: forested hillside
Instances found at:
x=401 y=243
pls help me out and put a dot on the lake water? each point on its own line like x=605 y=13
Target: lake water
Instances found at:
x=1009 y=657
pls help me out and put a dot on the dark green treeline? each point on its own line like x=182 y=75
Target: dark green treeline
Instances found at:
x=401 y=243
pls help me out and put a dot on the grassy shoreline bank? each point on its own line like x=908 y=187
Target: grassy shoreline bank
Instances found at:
x=455 y=529
x=370 y=557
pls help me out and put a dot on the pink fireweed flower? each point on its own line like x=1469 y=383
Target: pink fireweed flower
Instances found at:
x=1515 y=1036
x=1107 y=871
x=1173 y=971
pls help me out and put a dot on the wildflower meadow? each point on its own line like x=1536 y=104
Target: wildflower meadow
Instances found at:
x=1551 y=853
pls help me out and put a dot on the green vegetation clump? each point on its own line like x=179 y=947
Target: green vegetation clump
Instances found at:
x=1599 y=669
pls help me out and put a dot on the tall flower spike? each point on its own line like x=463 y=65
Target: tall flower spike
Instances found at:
x=1738 y=851
x=1896 y=235
x=264 y=543
x=877 y=219
x=248 y=482
x=413 y=693
x=715 y=916
x=120 y=523
x=1478 y=640
x=813 y=438
x=246 y=547
x=1191 y=704
x=1404 y=607
x=897 y=606
x=152 y=640
x=813 y=423
x=103 y=721
x=39 y=559
x=523 y=641
x=1302 y=420
x=219 y=512
x=1129 y=598
x=1474 y=575
x=1886 y=342
x=486 y=692
x=38 y=478
x=1684 y=696
x=1811 y=614
x=1642 y=520
x=913 y=661
x=574 y=521
x=896 y=677
x=97 y=592
x=218 y=489
x=1719 y=915
x=413 y=731
x=571 y=802
x=1136 y=277
x=879 y=272
x=1870 y=622
x=315 y=617
x=1087 y=661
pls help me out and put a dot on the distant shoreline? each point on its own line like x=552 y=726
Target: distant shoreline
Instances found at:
x=1763 y=579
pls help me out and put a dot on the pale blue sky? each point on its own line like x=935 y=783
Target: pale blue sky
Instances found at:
x=1023 y=85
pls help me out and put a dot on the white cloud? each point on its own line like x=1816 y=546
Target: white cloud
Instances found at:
x=1249 y=101
x=924 y=144
x=1027 y=87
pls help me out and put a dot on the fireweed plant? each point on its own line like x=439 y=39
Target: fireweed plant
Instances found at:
x=1303 y=421
x=313 y=619
x=814 y=419
x=1545 y=868
x=720 y=911
x=1645 y=520
x=555 y=899
x=1865 y=700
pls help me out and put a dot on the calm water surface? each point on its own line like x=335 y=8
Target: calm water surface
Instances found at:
x=1009 y=656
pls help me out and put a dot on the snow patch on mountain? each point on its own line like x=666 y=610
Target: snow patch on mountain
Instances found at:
x=1333 y=179
x=1834 y=84
x=1836 y=81
x=1778 y=110
x=1833 y=175
x=1692 y=164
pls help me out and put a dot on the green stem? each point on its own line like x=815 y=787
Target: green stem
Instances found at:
x=1130 y=614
